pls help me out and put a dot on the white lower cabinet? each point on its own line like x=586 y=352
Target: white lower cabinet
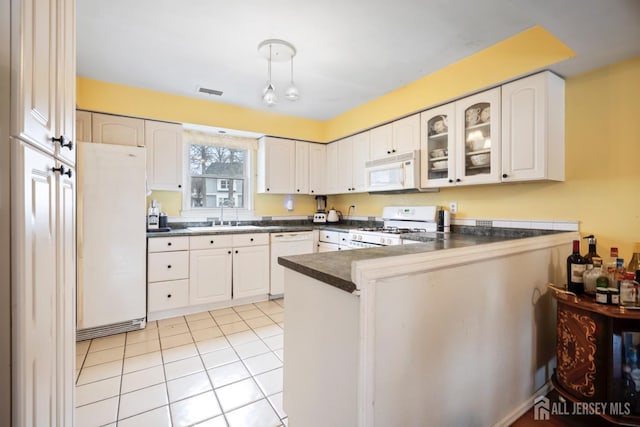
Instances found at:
x=330 y=241
x=210 y=275
x=250 y=271
x=189 y=271
x=167 y=273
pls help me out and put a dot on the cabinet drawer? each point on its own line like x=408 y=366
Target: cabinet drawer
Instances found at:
x=211 y=241
x=165 y=244
x=250 y=239
x=168 y=266
x=330 y=236
x=167 y=295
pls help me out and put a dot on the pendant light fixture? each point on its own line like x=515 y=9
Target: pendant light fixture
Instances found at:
x=275 y=50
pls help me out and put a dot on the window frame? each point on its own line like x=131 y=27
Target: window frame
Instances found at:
x=206 y=138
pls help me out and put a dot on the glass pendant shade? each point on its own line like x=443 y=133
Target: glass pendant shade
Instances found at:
x=292 y=93
x=269 y=95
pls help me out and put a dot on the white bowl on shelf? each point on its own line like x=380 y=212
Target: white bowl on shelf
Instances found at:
x=438 y=152
x=441 y=164
x=480 y=159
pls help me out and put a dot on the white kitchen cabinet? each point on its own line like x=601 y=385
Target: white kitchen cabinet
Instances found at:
x=167 y=273
x=250 y=265
x=302 y=167
x=83 y=126
x=345 y=165
x=399 y=136
x=533 y=129
x=333 y=184
x=461 y=142
x=361 y=147
x=43 y=218
x=43 y=279
x=276 y=165
x=439 y=147
x=120 y=130
x=352 y=155
x=164 y=155
x=478 y=138
x=381 y=141
x=317 y=168
x=210 y=275
x=406 y=134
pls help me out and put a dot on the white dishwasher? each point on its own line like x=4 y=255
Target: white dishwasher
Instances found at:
x=284 y=244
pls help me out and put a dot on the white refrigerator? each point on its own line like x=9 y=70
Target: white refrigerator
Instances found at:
x=111 y=239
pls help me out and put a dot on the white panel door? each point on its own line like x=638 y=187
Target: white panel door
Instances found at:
x=119 y=130
x=381 y=141
x=164 y=155
x=66 y=83
x=317 y=169
x=406 y=134
x=360 y=156
x=277 y=165
x=34 y=72
x=302 y=167
x=66 y=294
x=34 y=278
x=332 y=181
x=250 y=271
x=345 y=165
x=210 y=275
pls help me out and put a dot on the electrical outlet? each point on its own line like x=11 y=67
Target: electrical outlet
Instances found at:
x=453 y=207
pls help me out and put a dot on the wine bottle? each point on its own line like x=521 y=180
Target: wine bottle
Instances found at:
x=576 y=266
x=592 y=249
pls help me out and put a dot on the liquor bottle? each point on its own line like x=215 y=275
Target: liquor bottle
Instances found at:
x=611 y=266
x=634 y=264
x=594 y=277
x=592 y=249
x=576 y=266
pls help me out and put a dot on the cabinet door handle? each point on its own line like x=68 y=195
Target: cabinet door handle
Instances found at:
x=312 y=191
x=62 y=171
x=267 y=189
x=68 y=144
x=388 y=152
x=504 y=175
x=169 y=244
x=229 y=252
x=236 y=251
x=179 y=185
x=169 y=266
x=450 y=181
x=251 y=239
x=298 y=190
x=393 y=151
x=168 y=295
x=211 y=241
x=458 y=180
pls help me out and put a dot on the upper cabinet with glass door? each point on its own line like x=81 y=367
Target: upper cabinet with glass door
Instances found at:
x=438 y=130
x=478 y=125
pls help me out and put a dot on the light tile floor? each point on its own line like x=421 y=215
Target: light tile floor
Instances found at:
x=217 y=368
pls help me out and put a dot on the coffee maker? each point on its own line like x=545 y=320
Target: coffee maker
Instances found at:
x=321 y=209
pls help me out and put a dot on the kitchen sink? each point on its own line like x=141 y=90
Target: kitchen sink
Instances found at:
x=224 y=228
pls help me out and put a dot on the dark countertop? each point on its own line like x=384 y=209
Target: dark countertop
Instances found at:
x=262 y=229
x=334 y=268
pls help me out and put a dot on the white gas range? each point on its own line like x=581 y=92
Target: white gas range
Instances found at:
x=398 y=220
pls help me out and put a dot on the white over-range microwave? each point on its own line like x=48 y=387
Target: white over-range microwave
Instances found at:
x=394 y=173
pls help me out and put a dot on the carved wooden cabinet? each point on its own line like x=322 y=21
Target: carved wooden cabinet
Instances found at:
x=597 y=356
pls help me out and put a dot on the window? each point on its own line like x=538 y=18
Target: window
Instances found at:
x=212 y=168
x=218 y=172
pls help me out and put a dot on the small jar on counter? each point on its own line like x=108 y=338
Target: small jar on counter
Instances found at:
x=629 y=290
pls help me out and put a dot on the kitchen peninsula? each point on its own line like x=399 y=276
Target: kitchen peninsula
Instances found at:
x=458 y=330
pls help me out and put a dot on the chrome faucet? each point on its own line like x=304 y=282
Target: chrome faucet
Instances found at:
x=229 y=203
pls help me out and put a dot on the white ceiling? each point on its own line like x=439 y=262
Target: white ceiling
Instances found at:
x=349 y=51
